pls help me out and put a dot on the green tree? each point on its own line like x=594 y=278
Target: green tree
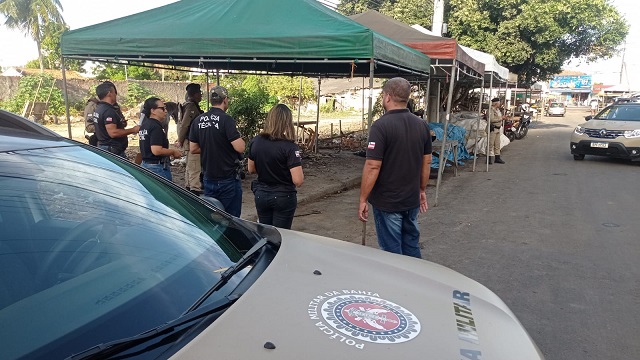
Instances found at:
x=351 y=7
x=534 y=38
x=249 y=104
x=109 y=71
x=136 y=94
x=52 y=52
x=40 y=88
x=31 y=17
x=287 y=89
x=408 y=11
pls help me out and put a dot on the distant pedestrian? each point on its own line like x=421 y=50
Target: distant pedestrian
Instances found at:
x=275 y=157
x=216 y=138
x=154 y=144
x=90 y=121
x=495 y=124
x=110 y=123
x=191 y=110
x=594 y=107
x=396 y=172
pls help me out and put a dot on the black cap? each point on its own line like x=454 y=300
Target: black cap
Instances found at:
x=495 y=100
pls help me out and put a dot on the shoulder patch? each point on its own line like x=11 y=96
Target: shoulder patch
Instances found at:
x=372 y=145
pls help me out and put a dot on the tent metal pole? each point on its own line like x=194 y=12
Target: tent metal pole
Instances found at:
x=217 y=77
x=208 y=95
x=66 y=97
x=488 y=123
x=475 y=145
x=439 y=95
x=370 y=117
x=443 y=159
x=299 y=106
x=426 y=100
x=315 y=145
x=362 y=125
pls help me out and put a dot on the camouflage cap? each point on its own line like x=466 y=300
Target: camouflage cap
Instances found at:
x=218 y=92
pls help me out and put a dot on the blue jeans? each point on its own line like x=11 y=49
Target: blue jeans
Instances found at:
x=228 y=192
x=108 y=148
x=276 y=208
x=398 y=232
x=158 y=169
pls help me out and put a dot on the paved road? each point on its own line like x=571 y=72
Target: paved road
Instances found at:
x=556 y=239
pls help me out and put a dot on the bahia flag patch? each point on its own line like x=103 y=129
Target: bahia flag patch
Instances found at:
x=372 y=145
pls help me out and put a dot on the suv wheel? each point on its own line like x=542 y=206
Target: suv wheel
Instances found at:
x=578 y=156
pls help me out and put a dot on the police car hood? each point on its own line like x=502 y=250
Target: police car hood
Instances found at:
x=328 y=299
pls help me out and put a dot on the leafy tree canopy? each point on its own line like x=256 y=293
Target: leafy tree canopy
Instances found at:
x=408 y=11
x=287 y=89
x=250 y=102
x=109 y=71
x=534 y=38
x=51 y=50
x=31 y=17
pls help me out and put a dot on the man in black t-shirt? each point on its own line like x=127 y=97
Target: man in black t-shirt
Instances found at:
x=154 y=144
x=216 y=138
x=110 y=123
x=396 y=172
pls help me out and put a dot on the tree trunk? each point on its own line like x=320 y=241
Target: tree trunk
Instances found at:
x=40 y=57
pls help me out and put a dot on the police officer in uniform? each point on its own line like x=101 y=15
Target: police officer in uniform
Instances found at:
x=495 y=124
x=191 y=110
x=215 y=136
x=110 y=123
x=154 y=144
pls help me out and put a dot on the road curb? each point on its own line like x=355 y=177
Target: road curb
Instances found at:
x=330 y=190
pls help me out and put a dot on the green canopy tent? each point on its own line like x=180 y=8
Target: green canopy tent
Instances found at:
x=298 y=37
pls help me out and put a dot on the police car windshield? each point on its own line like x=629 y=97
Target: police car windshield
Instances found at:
x=86 y=233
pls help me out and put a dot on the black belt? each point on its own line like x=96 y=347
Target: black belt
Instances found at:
x=154 y=162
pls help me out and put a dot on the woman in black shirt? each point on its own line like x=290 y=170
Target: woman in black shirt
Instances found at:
x=154 y=145
x=275 y=157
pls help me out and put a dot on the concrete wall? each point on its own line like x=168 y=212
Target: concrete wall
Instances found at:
x=78 y=89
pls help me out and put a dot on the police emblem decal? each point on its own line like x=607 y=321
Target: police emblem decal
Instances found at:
x=370 y=319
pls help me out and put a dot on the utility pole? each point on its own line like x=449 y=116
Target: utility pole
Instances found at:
x=438 y=17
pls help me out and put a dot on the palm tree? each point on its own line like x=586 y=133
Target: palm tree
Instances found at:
x=30 y=17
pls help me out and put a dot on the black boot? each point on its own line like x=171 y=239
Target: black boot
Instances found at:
x=498 y=160
x=490 y=159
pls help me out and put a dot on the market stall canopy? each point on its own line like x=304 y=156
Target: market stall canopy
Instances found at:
x=279 y=36
x=441 y=50
x=491 y=66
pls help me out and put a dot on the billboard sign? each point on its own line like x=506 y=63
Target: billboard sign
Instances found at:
x=568 y=83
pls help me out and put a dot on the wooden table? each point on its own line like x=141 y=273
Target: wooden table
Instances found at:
x=308 y=133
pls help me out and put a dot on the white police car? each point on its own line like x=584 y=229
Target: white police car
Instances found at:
x=101 y=259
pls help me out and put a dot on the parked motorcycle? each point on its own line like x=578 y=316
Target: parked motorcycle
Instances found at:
x=509 y=128
x=522 y=127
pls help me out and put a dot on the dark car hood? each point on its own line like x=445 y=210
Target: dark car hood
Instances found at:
x=328 y=299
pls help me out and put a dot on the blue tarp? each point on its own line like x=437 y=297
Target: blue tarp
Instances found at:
x=453 y=133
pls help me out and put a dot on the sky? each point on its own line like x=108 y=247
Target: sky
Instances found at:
x=18 y=49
